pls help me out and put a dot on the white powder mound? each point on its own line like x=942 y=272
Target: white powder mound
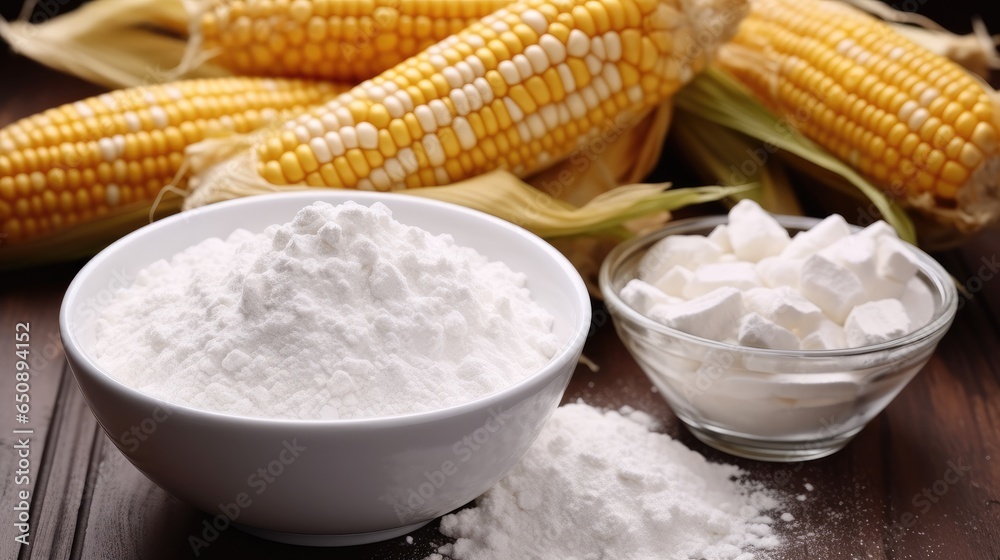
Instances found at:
x=341 y=313
x=601 y=485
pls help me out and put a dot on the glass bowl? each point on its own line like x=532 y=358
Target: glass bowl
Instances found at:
x=770 y=405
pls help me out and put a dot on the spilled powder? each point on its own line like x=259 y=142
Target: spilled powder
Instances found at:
x=601 y=485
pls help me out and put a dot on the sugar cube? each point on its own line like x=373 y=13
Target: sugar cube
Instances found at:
x=758 y=332
x=832 y=287
x=857 y=253
x=918 y=301
x=785 y=307
x=642 y=297
x=753 y=233
x=714 y=315
x=822 y=235
x=720 y=236
x=878 y=230
x=675 y=280
x=826 y=336
x=896 y=260
x=875 y=322
x=708 y=277
x=684 y=250
x=779 y=271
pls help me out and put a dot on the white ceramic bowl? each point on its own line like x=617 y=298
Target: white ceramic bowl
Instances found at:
x=337 y=482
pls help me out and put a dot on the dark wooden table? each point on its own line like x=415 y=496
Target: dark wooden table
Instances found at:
x=883 y=497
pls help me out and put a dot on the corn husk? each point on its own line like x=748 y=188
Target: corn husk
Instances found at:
x=716 y=97
x=114 y=43
x=722 y=156
x=502 y=194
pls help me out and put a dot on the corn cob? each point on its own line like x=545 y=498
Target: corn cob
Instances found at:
x=347 y=40
x=916 y=124
x=517 y=90
x=101 y=156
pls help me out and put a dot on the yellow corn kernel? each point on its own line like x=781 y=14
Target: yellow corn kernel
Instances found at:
x=908 y=115
x=516 y=89
x=345 y=40
x=101 y=156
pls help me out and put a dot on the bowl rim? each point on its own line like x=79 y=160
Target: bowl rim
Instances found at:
x=940 y=279
x=541 y=376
